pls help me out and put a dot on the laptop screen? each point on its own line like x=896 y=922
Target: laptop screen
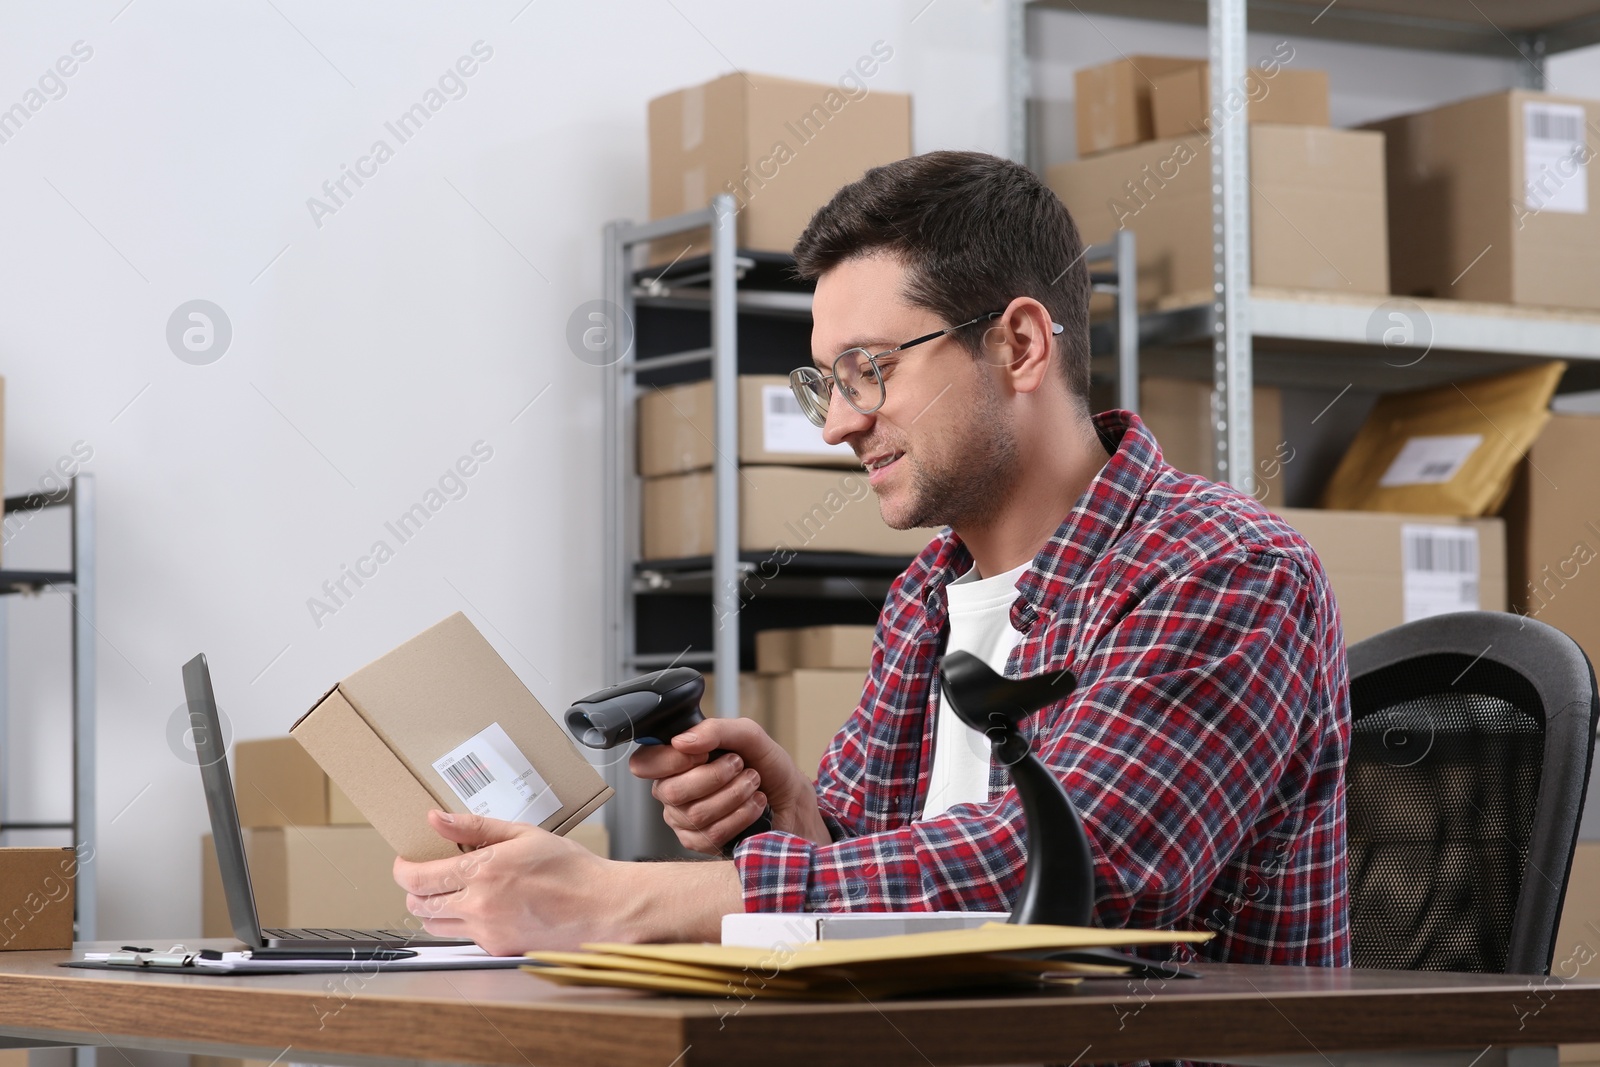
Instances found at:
x=211 y=751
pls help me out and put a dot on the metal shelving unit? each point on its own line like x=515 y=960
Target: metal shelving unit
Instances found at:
x=77 y=584
x=735 y=288
x=1236 y=322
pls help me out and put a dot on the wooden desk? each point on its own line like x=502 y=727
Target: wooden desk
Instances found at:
x=510 y=1017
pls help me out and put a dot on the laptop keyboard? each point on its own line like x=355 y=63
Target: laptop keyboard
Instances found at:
x=345 y=935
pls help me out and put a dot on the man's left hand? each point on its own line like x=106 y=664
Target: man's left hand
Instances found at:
x=523 y=888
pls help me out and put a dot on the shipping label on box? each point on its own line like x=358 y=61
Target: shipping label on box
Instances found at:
x=1386 y=570
x=434 y=724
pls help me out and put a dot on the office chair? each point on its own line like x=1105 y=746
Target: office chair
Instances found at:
x=1471 y=741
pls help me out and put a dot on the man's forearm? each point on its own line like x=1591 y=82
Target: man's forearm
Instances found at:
x=682 y=901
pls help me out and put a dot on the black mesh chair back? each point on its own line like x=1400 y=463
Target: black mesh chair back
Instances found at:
x=1471 y=740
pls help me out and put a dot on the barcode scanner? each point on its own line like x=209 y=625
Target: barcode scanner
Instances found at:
x=651 y=710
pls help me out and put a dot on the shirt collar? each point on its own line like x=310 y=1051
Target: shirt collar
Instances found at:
x=1102 y=512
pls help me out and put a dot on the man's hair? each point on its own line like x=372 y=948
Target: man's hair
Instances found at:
x=975 y=232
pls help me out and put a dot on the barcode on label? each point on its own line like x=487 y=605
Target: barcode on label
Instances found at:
x=1548 y=124
x=1438 y=470
x=1441 y=551
x=782 y=402
x=468 y=775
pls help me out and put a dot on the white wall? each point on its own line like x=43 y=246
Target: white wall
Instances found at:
x=365 y=359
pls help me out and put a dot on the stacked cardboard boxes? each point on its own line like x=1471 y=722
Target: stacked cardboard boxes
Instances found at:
x=1317 y=194
x=1493 y=199
x=813 y=679
x=780 y=147
x=796 y=491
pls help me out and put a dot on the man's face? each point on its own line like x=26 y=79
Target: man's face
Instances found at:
x=942 y=448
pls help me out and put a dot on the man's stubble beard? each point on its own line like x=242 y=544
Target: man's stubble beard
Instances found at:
x=976 y=480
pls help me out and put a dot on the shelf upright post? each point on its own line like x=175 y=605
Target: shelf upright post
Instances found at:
x=1126 y=261
x=1230 y=249
x=84 y=833
x=725 y=464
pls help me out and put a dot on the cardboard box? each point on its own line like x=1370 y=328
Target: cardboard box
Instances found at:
x=277 y=783
x=780 y=509
x=1181 y=99
x=825 y=647
x=1494 y=199
x=677 y=430
x=809 y=707
x=1178 y=412
x=443 y=722
x=1553 y=532
x=1113 y=101
x=1317 y=215
x=1449 y=450
x=1390 y=569
x=319 y=876
x=592 y=835
x=36 y=898
x=782 y=148
x=752 y=698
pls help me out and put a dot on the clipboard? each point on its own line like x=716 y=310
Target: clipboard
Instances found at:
x=181 y=960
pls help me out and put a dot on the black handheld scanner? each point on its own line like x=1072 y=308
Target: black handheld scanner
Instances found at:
x=652 y=710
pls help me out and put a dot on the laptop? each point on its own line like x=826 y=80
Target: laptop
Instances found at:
x=206 y=726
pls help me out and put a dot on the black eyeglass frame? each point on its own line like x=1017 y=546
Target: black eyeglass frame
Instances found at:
x=799 y=378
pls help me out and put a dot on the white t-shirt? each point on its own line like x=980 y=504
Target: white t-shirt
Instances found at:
x=980 y=623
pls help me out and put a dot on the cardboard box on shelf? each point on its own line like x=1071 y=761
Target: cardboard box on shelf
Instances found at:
x=676 y=428
x=1390 y=569
x=825 y=647
x=1178 y=412
x=277 y=783
x=1553 y=531
x=1448 y=450
x=1113 y=101
x=1316 y=209
x=443 y=722
x=1181 y=99
x=809 y=707
x=1495 y=199
x=37 y=886
x=781 y=509
x=782 y=148
x=752 y=698
x=318 y=876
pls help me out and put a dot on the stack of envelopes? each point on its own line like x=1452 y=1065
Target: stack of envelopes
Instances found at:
x=989 y=956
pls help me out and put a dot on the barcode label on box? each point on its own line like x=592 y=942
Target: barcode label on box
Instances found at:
x=1439 y=568
x=492 y=777
x=1430 y=460
x=1555 y=158
x=785 y=428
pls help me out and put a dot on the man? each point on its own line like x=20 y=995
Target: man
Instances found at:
x=1204 y=746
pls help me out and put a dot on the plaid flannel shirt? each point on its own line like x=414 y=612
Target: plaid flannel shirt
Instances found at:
x=1204 y=746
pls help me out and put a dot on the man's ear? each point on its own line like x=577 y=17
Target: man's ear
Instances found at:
x=1022 y=339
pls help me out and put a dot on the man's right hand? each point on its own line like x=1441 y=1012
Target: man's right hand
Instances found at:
x=708 y=804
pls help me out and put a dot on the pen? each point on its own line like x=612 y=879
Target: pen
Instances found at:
x=353 y=954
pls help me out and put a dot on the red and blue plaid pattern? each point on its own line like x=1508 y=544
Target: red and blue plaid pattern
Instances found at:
x=1204 y=747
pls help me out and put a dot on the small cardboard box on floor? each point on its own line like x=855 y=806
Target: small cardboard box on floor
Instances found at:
x=443 y=722
x=1553 y=532
x=36 y=897
x=1390 y=569
x=277 y=783
x=677 y=428
x=782 y=148
x=1496 y=199
x=780 y=509
x=1317 y=214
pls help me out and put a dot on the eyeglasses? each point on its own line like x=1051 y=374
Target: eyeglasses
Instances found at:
x=859 y=375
